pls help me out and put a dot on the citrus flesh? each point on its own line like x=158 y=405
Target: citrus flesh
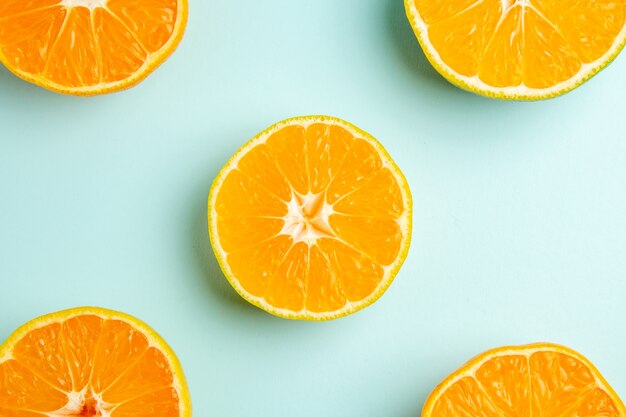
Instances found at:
x=519 y=49
x=540 y=380
x=311 y=219
x=88 y=47
x=90 y=362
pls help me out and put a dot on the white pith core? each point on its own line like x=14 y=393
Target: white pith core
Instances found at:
x=307 y=218
x=84 y=403
x=90 y=4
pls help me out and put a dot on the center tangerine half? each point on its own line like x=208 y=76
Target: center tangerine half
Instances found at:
x=311 y=219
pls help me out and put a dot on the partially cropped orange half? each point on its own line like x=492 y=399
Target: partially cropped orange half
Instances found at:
x=519 y=49
x=90 y=362
x=311 y=219
x=540 y=380
x=88 y=47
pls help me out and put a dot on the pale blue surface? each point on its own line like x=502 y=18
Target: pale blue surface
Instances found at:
x=519 y=228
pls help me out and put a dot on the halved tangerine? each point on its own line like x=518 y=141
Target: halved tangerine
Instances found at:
x=519 y=49
x=88 y=47
x=90 y=362
x=311 y=219
x=539 y=380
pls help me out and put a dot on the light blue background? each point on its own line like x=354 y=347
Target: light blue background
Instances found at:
x=519 y=226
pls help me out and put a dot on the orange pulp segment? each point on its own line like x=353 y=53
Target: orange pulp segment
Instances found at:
x=90 y=362
x=540 y=380
x=311 y=219
x=88 y=47
x=521 y=49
